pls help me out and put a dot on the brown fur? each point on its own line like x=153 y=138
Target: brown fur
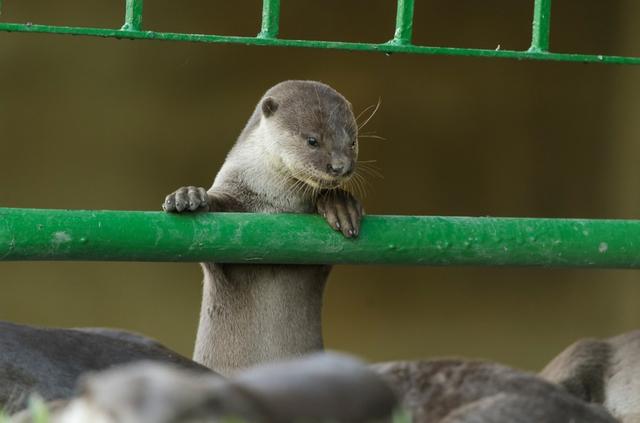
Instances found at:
x=463 y=391
x=49 y=361
x=604 y=372
x=319 y=388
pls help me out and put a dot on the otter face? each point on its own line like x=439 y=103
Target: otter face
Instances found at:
x=314 y=132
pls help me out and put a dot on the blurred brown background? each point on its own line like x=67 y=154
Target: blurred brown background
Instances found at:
x=89 y=123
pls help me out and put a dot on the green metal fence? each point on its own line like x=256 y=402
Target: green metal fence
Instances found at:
x=268 y=36
x=274 y=238
x=30 y=234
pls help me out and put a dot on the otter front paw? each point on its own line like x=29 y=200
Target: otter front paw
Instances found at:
x=186 y=199
x=342 y=211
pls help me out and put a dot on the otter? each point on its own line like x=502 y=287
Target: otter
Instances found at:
x=322 y=387
x=451 y=390
x=602 y=371
x=295 y=155
x=49 y=361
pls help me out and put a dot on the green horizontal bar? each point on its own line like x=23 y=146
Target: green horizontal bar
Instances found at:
x=270 y=19
x=541 y=25
x=387 y=48
x=36 y=234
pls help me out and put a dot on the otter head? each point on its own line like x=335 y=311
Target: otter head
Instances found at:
x=311 y=130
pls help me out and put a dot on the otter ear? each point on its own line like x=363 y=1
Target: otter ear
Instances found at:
x=269 y=106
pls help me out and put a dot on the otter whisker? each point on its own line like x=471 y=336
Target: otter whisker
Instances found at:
x=369 y=134
x=305 y=188
x=355 y=185
x=295 y=187
x=288 y=181
x=372 y=171
x=361 y=174
x=372 y=175
x=364 y=183
x=350 y=186
x=359 y=187
x=302 y=187
x=310 y=190
x=369 y=164
x=364 y=111
x=377 y=137
x=371 y=115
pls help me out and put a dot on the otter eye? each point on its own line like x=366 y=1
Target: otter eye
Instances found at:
x=312 y=141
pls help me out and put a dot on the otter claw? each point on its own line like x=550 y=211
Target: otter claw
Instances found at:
x=342 y=212
x=186 y=199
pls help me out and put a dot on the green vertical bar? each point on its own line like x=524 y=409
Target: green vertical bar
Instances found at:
x=270 y=19
x=133 y=15
x=404 y=22
x=541 y=25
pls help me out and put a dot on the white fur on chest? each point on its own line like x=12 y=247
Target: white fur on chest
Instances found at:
x=257 y=165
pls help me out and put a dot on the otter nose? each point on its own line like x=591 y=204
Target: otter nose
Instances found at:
x=335 y=169
x=338 y=169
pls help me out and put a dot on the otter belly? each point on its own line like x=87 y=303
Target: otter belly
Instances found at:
x=252 y=314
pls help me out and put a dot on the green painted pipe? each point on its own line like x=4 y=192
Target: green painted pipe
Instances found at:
x=270 y=19
x=404 y=22
x=386 y=48
x=541 y=25
x=37 y=234
x=133 y=15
